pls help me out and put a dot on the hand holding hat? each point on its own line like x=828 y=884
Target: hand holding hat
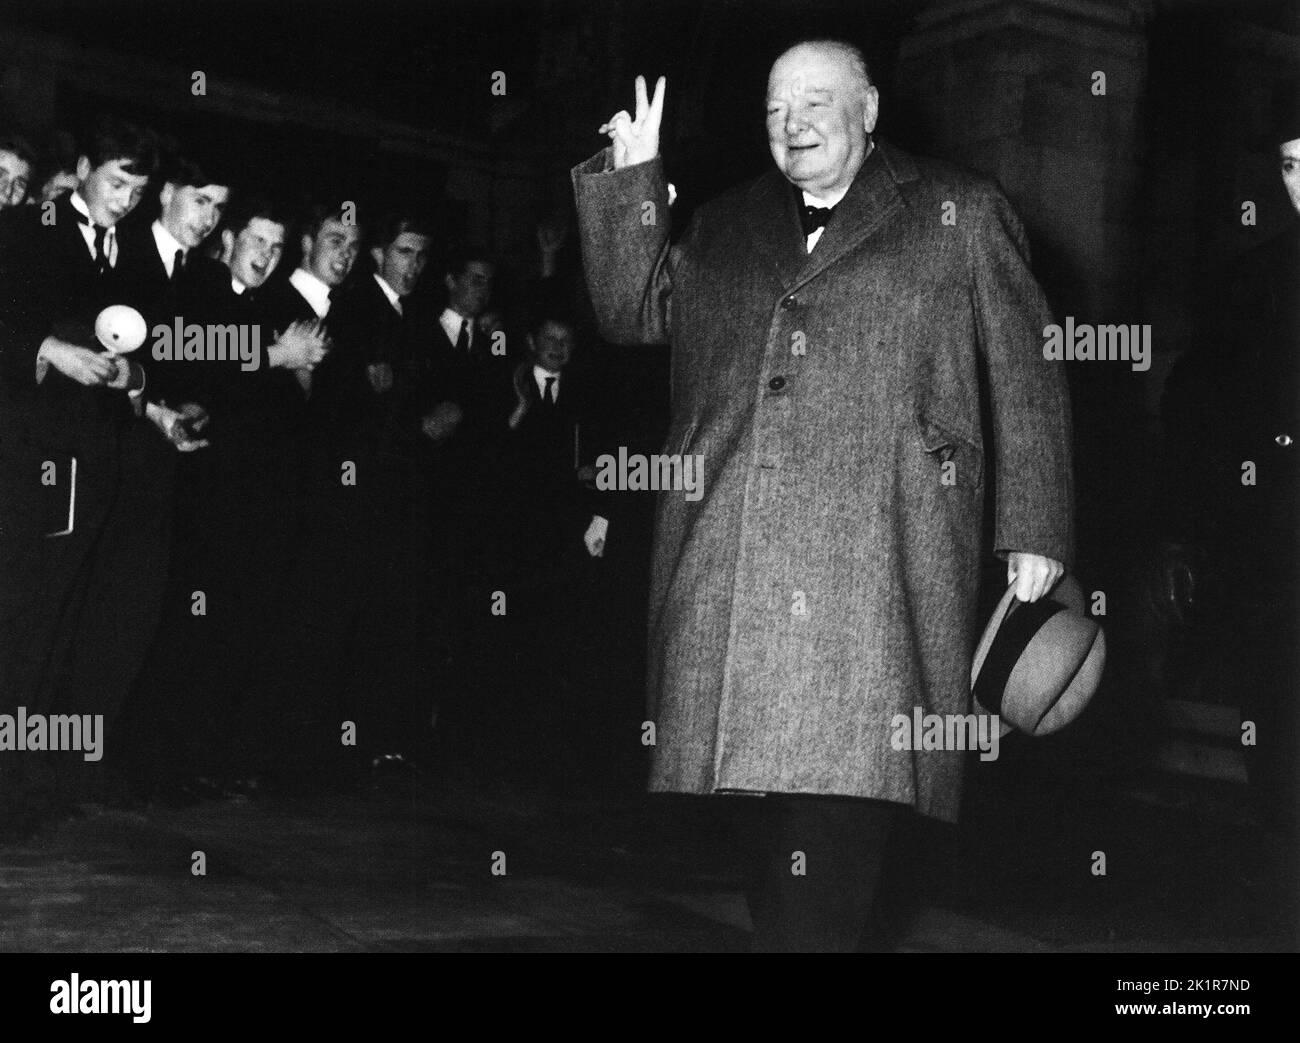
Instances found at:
x=1038 y=664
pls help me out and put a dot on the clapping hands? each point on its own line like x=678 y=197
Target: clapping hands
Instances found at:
x=303 y=345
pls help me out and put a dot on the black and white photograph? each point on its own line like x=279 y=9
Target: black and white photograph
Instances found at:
x=651 y=476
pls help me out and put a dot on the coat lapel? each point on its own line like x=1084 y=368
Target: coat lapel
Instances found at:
x=871 y=200
x=773 y=223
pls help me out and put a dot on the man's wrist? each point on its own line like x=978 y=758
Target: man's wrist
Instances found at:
x=630 y=163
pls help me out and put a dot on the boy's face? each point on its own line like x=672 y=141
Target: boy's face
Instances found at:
x=255 y=253
x=330 y=254
x=57 y=184
x=469 y=292
x=15 y=176
x=552 y=346
x=189 y=213
x=110 y=191
x=403 y=261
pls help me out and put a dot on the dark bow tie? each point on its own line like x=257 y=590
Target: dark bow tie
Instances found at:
x=814 y=217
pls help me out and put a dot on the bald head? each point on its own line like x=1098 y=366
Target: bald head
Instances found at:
x=840 y=50
x=821 y=106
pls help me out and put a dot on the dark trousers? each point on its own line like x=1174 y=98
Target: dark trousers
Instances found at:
x=353 y=634
x=79 y=610
x=815 y=865
x=231 y=543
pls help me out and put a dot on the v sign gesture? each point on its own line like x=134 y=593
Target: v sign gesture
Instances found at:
x=637 y=140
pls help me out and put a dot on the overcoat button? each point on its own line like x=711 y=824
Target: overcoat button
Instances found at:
x=776 y=383
x=1283 y=440
x=790 y=302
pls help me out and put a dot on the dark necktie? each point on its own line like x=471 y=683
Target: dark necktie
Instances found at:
x=462 y=342
x=101 y=232
x=101 y=255
x=178 y=265
x=548 y=393
x=814 y=217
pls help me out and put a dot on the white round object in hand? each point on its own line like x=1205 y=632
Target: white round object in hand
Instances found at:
x=120 y=329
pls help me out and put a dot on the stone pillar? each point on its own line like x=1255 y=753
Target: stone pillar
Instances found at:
x=1014 y=89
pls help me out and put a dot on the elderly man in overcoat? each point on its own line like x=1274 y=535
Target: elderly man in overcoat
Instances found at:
x=830 y=369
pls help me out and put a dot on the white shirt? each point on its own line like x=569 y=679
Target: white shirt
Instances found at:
x=237 y=286
x=315 y=292
x=829 y=201
x=167 y=247
x=452 y=321
x=88 y=231
x=390 y=293
x=540 y=377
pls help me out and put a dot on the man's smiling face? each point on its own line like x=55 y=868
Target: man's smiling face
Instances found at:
x=109 y=190
x=329 y=254
x=256 y=251
x=819 y=112
x=190 y=213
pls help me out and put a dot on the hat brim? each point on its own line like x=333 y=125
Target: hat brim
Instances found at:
x=1067 y=593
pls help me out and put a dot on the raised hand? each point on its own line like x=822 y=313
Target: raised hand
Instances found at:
x=637 y=140
x=302 y=346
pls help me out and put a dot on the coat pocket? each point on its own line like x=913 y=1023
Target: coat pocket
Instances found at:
x=946 y=447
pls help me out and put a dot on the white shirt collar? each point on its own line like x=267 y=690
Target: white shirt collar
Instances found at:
x=167 y=246
x=87 y=229
x=237 y=286
x=541 y=376
x=452 y=320
x=390 y=293
x=828 y=201
x=831 y=200
x=79 y=204
x=315 y=292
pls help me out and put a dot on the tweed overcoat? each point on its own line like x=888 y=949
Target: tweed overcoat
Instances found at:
x=826 y=579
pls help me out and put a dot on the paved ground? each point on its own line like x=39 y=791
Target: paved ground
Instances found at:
x=1185 y=872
